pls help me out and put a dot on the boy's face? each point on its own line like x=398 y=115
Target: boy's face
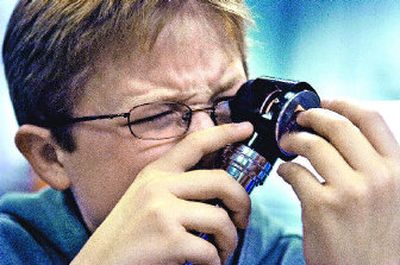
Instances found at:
x=191 y=63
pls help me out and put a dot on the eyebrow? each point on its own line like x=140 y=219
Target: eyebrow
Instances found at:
x=229 y=78
x=187 y=95
x=228 y=84
x=183 y=97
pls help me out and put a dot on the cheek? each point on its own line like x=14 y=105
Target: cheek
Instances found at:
x=116 y=159
x=105 y=165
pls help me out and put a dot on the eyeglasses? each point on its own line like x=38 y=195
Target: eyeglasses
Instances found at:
x=161 y=120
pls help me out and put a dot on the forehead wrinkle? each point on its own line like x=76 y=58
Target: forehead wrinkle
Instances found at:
x=232 y=74
x=193 y=80
x=179 y=71
x=173 y=86
x=177 y=81
x=143 y=91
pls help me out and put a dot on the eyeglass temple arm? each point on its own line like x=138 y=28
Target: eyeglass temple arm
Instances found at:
x=92 y=118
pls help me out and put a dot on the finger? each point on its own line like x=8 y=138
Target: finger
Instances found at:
x=371 y=124
x=211 y=220
x=326 y=160
x=343 y=135
x=304 y=183
x=197 y=251
x=194 y=146
x=203 y=185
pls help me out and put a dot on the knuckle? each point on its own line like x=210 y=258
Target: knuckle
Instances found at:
x=156 y=209
x=226 y=227
x=311 y=145
x=340 y=124
x=222 y=179
x=156 y=212
x=325 y=202
x=162 y=220
x=222 y=216
x=150 y=190
x=234 y=242
x=361 y=192
x=373 y=116
x=211 y=253
x=331 y=200
x=246 y=204
x=227 y=181
x=369 y=118
x=339 y=103
x=349 y=198
x=223 y=174
x=385 y=182
x=229 y=245
x=150 y=173
x=355 y=195
x=176 y=238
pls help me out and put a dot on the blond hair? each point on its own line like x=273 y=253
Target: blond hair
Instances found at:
x=50 y=44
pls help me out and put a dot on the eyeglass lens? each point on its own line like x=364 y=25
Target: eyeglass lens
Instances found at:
x=168 y=120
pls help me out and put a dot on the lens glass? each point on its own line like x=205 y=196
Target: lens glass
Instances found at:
x=222 y=114
x=159 y=120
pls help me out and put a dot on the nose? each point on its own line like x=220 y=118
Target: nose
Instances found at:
x=201 y=120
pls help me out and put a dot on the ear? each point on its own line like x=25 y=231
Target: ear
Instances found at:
x=44 y=155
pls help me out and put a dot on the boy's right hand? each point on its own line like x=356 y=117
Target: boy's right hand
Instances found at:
x=153 y=222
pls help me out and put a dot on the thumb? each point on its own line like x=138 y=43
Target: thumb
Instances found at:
x=188 y=152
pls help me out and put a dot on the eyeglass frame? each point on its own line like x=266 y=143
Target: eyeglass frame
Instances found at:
x=127 y=115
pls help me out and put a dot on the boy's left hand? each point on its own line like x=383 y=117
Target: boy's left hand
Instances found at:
x=353 y=216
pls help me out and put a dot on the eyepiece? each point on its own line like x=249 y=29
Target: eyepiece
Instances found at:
x=272 y=105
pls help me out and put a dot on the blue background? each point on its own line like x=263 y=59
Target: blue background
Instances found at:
x=343 y=48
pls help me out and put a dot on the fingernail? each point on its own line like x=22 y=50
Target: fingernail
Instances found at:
x=282 y=169
x=299 y=116
x=284 y=139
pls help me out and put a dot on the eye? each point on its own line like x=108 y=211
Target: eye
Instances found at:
x=153 y=113
x=186 y=116
x=159 y=120
x=152 y=118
